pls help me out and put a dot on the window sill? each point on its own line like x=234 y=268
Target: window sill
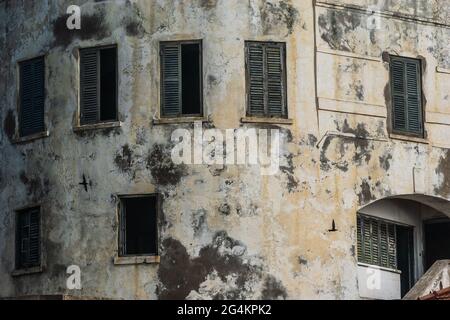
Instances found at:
x=396 y=136
x=179 y=120
x=36 y=136
x=29 y=271
x=361 y=264
x=97 y=126
x=136 y=260
x=267 y=120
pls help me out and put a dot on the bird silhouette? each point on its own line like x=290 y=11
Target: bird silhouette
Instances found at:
x=333 y=227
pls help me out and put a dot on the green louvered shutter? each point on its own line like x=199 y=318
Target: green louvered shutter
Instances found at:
x=367 y=244
x=413 y=93
x=376 y=242
x=359 y=238
x=275 y=81
x=32 y=96
x=171 y=80
x=392 y=246
x=256 y=79
x=89 y=86
x=406 y=95
x=35 y=252
x=384 y=250
x=28 y=239
x=266 y=74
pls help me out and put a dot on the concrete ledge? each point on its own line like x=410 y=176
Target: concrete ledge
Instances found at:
x=352 y=107
x=267 y=120
x=29 y=271
x=137 y=260
x=30 y=138
x=98 y=126
x=396 y=136
x=179 y=120
x=442 y=70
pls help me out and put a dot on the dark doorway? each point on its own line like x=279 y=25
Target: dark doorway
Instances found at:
x=405 y=257
x=437 y=241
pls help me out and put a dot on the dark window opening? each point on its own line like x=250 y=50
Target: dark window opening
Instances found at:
x=437 y=242
x=139 y=226
x=32 y=97
x=28 y=252
x=108 y=85
x=266 y=79
x=190 y=54
x=181 y=79
x=405 y=257
x=406 y=91
x=98 y=85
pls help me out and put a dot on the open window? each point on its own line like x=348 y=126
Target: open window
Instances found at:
x=398 y=240
x=181 y=79
x=138 y=226
x=28 y=238
x=388 y=245
x=98 y=85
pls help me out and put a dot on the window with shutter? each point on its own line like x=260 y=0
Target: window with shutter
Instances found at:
x=266 y=79
x=181 y=78
x=406 y=88
x=98 y=85
x=28 y=251
x=138 y=226
x=376 y=242
x=32 y=97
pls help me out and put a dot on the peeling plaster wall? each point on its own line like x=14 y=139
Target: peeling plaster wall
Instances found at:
x=224 y=233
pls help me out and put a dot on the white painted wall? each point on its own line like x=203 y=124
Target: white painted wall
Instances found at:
x=376 y=283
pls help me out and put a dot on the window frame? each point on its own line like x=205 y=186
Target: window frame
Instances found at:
x=19 y=136
x=19 y=269
x=285 y=108
x=407 y=133
x=121 y=216
x=162 y=69
x=106 y=123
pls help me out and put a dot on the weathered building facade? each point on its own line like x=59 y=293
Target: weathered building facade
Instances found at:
x=227 y=231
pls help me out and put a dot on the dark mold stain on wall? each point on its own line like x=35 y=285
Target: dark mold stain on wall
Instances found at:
x=37 y=188
x=93 y=27
x=133 y=22
x=365 y=195
x=362 y=146
x=9 y=125
x=333 y=27
x=180 y=274
x=124 y=159
x=272 y=14
x=162 y=168
x=385 y=161
x=273 y=289
x=289 y=171
x=208 y=4
x=444 y=169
